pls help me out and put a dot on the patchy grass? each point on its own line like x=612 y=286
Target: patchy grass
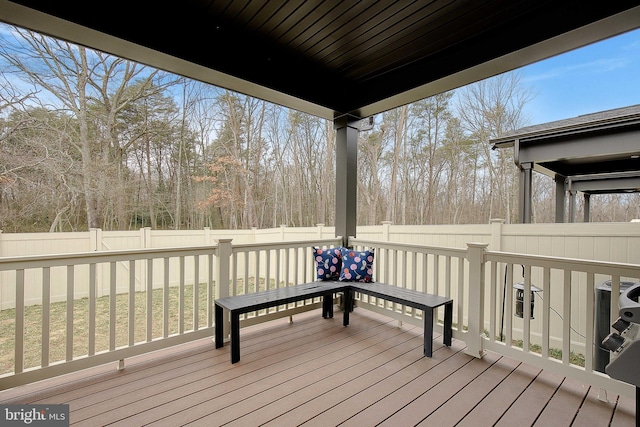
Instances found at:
x=554 y=353
x=58 y=325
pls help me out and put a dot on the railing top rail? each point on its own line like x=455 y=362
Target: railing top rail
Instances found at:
x=399 y=246
x=246 y=247
x=574 y=264
x=78 y=258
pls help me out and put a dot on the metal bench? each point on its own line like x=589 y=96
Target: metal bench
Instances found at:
x=240 y=304
x=415 y=299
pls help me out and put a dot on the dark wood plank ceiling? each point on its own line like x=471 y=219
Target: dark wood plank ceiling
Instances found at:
x=355 y=57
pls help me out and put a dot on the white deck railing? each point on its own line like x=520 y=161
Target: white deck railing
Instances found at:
x=563 y=329
x=560 y=335
x=153 y=301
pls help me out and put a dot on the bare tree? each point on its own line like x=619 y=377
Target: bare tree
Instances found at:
x=76 y=81
x=370 y=152
x=395 y=121
x=429 y=119
x=488 y=109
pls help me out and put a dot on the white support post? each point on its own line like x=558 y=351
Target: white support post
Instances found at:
x=223 y=275
x=95 y=245
x=475 y=329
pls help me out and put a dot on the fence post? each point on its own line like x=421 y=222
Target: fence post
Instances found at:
x=93 y=239
x=147 y=238
x=223 y=274
x=475 y=256
x=386 y=225
x=207 y=236
x=496 y=234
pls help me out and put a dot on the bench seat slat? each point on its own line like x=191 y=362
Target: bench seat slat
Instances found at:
x=273 y=297
x=409 y=297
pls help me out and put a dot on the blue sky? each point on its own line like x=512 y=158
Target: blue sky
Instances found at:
x=598 y=77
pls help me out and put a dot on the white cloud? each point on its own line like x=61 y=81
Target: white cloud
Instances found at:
x=598 y=66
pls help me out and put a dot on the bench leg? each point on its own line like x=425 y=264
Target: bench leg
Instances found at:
x=235 y=337
x=219 y=327
x=448 y=324
x=348 y=302
x=427 y=314
x=327 y=306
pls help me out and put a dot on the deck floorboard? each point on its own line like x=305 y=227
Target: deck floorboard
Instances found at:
x=315 y=372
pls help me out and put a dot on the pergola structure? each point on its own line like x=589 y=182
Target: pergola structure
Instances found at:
x=340 y=60
x=595 y=153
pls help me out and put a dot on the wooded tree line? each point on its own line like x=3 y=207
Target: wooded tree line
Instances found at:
x=91 y=140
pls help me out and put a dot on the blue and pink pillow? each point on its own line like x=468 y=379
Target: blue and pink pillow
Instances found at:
x=357 y=266
x=328 y=263
x=343 y=264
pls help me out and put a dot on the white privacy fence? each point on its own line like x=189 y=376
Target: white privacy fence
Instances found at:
x=619 y=242
x=608 y=242
x=54 y=244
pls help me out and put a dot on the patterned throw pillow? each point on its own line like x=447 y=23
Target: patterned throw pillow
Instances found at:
x=328 y=263
x=357 y=266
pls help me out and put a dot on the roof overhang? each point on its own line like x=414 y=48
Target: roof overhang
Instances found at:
x=330 y=58
x=596 y=153
x=600 y=143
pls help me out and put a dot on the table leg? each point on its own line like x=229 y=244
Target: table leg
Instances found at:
x=427 y=314
x=219 y=327
x=235 y=337
x=448 y=324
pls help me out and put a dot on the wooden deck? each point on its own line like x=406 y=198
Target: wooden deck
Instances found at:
x=318 y=373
